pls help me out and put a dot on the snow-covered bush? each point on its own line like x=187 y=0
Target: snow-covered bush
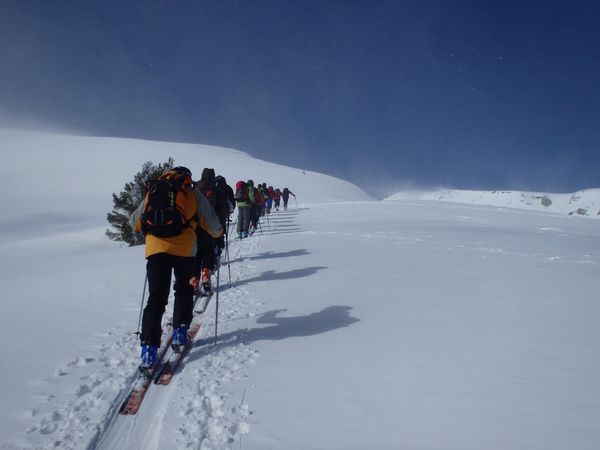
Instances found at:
x=128 y=200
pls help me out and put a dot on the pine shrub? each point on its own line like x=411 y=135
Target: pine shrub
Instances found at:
x=129 y=199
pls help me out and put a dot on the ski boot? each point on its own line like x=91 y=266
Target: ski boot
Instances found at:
x=205 y=280
x=195 y=284
x=180 y=338
x=149 y=357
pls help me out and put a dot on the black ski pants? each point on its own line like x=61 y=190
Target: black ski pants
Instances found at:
x=159 y=268
x=254 y=216
x=221 y=240
x=206 y=251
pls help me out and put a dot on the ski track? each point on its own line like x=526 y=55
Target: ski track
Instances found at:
x=209 y=416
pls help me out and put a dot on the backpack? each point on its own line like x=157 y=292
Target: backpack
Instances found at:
x=241 y=192
x=208 y=188
x=263 y=191
x=164 y=205
x=223 y=203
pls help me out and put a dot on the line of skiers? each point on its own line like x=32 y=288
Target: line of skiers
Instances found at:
x=254 y=202
x=185 y=225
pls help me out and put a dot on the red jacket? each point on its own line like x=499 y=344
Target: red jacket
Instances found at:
x=258 y=198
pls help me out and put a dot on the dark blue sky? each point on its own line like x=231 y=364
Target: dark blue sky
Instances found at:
x=464 y=94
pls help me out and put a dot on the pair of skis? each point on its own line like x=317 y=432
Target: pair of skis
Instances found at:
x=169 y=359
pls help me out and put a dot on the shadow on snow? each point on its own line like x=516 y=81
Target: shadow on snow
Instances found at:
x=328 y=319
x=270 y=255
x=271 y=275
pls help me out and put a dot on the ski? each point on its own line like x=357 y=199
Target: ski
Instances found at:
x=134 y=399
x=136 y=395
x=165 y=367
x=178 y=353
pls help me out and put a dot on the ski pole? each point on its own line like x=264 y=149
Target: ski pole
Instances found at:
x=234 y=224
x=268 y=222
x=142 y=304
x=227 y=256
x=217 y=306
x=296 y=202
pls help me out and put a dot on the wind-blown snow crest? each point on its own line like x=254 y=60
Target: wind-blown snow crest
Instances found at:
x=581 y=203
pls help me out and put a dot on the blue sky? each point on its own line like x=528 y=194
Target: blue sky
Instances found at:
x=463 y=94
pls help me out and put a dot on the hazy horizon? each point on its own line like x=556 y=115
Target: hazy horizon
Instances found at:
x=385 y=94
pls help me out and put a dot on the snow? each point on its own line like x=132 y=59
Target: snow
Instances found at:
x=350 y=323
x=581 y=203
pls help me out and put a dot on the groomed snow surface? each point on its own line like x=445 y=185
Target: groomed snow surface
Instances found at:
x=411 y=324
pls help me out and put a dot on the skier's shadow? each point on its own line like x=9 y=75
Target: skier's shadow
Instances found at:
x=328 y=319
x=283 y=223
x=282 y=220
x=271 y=275
x=279 y=225
x=286 y=231
x=270 y=255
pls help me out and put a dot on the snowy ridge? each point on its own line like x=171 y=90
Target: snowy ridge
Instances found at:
x=581 y=203
x=65 y=183
x=85 y=171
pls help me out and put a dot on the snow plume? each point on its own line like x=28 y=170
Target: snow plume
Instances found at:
x=34 y=124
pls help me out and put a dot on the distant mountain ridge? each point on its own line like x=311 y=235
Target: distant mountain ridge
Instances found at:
x=584 y=203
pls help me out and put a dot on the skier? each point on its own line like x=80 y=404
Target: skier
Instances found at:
x=286 y=196
x=256 y=203
x=225 y=206
x=207 y=244
x=269 y=199
x=276 y=199
x=243 y=203
x=171 y=253
x=262 y=188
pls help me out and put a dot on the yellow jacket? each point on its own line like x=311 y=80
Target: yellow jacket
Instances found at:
x=198 y=211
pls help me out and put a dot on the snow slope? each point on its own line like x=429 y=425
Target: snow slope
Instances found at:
x=582 y=203
x=62 y=180
x=348 y=325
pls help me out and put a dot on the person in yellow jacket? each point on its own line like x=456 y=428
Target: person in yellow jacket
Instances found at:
x=175 y=254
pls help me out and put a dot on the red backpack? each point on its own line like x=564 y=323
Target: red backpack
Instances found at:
x=241 y=192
